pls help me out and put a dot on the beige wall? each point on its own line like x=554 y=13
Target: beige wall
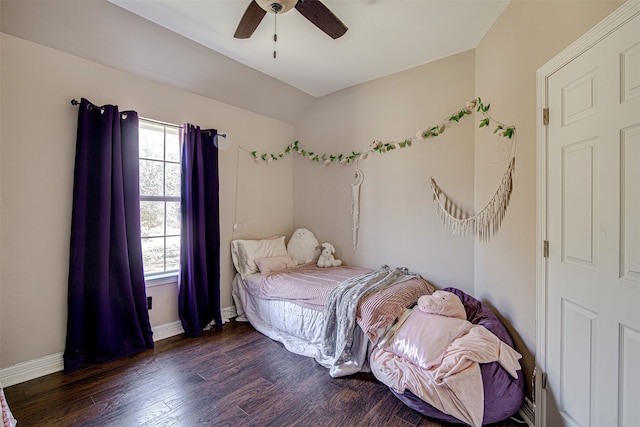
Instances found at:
x=398 y=225
x=526 y=36
x=36 y=178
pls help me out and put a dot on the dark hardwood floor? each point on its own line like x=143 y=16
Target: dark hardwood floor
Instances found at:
x=229 y=377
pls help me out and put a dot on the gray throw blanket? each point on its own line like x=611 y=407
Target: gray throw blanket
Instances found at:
x=342 y=304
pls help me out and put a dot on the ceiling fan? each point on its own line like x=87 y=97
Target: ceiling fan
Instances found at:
x=316 y=12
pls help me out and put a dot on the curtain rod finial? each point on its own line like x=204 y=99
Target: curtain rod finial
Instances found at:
x=74 y=102
x=225 y=143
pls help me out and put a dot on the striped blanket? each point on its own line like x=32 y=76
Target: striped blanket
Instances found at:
x=342 y=305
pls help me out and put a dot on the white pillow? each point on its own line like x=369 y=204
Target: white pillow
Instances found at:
x=273 y=264
x=245 y=253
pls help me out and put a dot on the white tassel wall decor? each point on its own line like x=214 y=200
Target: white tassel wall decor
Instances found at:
x=485 y=223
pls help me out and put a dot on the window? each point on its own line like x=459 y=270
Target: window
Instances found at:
x=160 y=199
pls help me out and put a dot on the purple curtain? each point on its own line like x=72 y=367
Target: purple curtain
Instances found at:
x=107 y=312
x=199 y=279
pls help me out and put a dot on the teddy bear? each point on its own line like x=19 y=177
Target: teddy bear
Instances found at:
x=326 y=258
x=443 y=303
x=302 y=246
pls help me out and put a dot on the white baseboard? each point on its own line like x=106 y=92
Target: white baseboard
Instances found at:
x=35 y=368
x=52 y=363
x=167 y=330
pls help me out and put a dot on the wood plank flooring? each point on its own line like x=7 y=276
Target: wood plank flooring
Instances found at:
x=229 y=377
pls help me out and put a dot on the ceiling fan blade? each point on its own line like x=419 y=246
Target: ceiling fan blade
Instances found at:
x=320 y=16
x=250 y=20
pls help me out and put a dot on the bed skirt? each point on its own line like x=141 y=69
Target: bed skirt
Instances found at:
x=298 y=328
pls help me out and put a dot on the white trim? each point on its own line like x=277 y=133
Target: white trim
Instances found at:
x=167 y=330
x=592 y=37
x=35 y=368
x=615 y=20
x=161 y=279
x=541 y=233
x=25 y=371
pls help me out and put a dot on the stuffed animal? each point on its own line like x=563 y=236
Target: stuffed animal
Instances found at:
x=443 y=303
x=326 y=258
x=302 y=246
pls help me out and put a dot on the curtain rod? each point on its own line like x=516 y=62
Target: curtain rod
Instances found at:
x=75 y=103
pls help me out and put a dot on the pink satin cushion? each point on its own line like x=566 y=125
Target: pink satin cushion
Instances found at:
x=424 y=337
x=272 y=264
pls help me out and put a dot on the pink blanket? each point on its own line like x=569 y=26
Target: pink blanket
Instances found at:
x=5 y=414
x=437 y=358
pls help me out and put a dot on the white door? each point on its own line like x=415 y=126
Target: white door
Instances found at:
x=593 y=219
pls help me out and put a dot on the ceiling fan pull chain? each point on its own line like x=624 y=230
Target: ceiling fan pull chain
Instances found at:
x=275 y=33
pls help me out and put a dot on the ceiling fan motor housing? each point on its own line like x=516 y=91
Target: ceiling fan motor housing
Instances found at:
x=277 y=6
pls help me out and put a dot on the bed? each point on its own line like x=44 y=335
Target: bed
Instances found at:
x=292 y=303
x=287 y=303
x=501 y=392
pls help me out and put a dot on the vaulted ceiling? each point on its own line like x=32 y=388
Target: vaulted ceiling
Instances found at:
x=383 y=37
x=190 y=44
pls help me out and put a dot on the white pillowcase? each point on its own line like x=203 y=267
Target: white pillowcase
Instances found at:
x=272 y=264
x=245 y=253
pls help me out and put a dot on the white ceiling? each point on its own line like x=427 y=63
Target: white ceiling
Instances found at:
x=384 y=36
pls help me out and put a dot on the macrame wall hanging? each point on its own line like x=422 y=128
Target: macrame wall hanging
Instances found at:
x=482 y=225
x=485 y=223
x=355 y=205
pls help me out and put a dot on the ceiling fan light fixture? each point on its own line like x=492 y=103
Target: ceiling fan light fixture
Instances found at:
x=313 y=10
x=277 y=6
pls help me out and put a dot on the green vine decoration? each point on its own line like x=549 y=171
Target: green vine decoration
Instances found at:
x=384 y=147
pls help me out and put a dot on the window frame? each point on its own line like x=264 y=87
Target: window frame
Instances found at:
x=170 y=276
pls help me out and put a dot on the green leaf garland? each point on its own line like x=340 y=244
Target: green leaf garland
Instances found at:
x=384 y=147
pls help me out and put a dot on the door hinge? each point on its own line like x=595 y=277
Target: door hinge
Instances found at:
x=544 y=381
x=545 y=249
x=545 y=116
